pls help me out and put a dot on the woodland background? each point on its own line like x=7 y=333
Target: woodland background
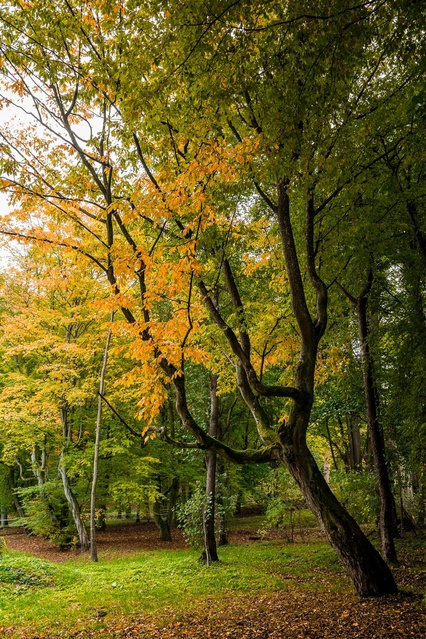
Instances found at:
x=213 y=291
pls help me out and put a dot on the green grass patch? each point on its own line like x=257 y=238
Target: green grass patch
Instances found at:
x=69 y=594
x=19 y=573
x=303 y=518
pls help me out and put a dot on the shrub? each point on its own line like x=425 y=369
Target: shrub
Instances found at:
x=358 y=493
x=47 y=513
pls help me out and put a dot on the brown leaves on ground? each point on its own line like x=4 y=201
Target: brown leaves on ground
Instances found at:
x=278 y=615
x=130 y=537
x=117 y=539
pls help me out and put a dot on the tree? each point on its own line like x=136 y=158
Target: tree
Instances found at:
x=46 y=341
x=260 y=82
x=388 y=526
x=93 y=548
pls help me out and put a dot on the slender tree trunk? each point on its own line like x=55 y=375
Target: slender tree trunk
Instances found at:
x=418 y=233
x=173 y=495
x=75 y=508
x=330 y=443
x=17 y=504
x=223 y=534
x=420 y=490
x=38 y=463
x=210 y=547
x=3 y=517
x=93 y=546
x=164 y=510
x=354 y=438
x=387 y=502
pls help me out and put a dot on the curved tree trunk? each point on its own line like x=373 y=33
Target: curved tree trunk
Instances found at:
x=367 y=569
x=369 y=572
x=364 y=565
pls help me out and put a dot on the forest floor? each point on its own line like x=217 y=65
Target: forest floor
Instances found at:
x=302 y=610
x=127 y=537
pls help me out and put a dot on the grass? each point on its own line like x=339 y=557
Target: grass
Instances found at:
x=300 y=519
x=44 y=595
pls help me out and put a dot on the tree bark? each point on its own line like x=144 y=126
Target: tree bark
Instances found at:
x=369 y=572
x=4 y=521
x=210 y=546
x=164 y=510
x=222 y=532
x=354 y=439
x=93 y=546
x=364 y=565
x=387 y=502
x=17 y=504
x=73 y=504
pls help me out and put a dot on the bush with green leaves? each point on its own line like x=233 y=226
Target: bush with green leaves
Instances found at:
x=47 y=513
x=193 y=513
x=358 y=493
x=191 y=517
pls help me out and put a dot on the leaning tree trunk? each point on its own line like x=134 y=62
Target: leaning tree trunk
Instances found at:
x=367 y=569
x=364 y=565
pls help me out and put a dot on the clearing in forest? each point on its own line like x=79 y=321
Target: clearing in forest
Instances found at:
x=141 y=588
